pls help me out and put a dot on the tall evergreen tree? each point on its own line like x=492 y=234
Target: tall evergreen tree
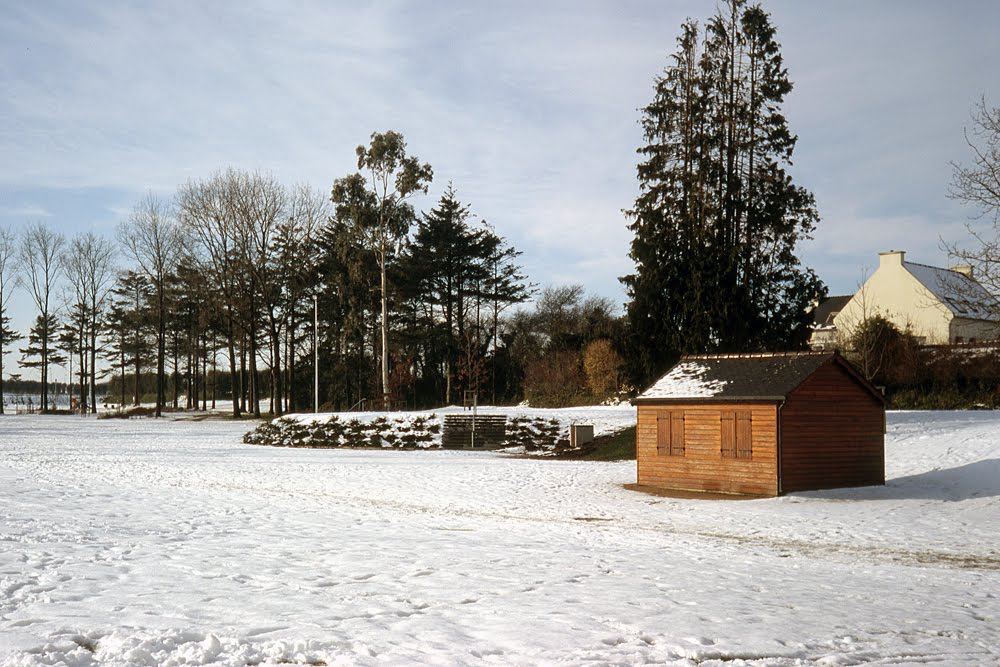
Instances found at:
x=717 y=219
x=42 y=351
x=460 y=277
x=7 y=336
x=442 y=269
x=128 y=323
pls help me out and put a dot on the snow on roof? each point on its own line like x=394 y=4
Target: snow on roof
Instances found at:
x=963 y=296
x=827 y=309
x=770 y=376
x=685 y=380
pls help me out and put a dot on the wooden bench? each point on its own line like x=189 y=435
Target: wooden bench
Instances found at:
x=490 y=431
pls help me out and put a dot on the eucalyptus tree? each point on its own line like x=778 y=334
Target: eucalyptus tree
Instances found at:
x=390 y=178
x=155 y=240
x=41 y=267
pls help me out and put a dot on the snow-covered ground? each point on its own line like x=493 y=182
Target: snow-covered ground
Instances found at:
x=149 y=542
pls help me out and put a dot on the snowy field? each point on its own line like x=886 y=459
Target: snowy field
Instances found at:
x=170 y=543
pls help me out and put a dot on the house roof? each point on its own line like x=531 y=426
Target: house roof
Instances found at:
x=827 y=309
x=962 y=295
x=768 y=376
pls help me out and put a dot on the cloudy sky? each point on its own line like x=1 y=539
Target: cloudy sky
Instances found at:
x=529 y=108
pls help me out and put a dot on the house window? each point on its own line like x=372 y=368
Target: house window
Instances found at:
x=737 y=434
x=670 y=433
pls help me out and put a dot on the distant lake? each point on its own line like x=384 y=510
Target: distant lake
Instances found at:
x=13 y=401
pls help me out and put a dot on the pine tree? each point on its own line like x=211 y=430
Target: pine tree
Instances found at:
x=458 y=275
x=129 y=328
x=74 y=340
x=505 y=286
x=441 y=269
x=717 y=219
x=7 y=336
x=41 y=351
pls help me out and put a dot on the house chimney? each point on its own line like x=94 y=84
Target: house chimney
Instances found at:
x=891 y=258
x=964 y=269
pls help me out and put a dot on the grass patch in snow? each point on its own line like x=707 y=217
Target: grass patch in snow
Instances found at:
x=618 y=446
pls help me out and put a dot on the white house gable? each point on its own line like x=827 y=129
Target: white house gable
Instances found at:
x=937 y=305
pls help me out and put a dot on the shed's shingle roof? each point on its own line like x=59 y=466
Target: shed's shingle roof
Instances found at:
x=737 y=377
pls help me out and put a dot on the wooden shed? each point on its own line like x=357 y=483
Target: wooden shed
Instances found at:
x=761 y=424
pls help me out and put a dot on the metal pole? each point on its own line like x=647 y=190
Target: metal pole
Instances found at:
x=315 y=353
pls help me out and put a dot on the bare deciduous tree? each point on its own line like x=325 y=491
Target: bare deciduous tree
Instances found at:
x=90 y=269
x=977 y=185
x=154 y=239
x=8 y=262
x=41 y=268
x=206 y=212
x=297 y=258
x=260 y=201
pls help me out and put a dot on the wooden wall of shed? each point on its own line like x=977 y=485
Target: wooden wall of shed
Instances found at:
x=833 y=434
x=702 y=468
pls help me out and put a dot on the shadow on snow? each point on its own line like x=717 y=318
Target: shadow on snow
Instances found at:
x=980 y=479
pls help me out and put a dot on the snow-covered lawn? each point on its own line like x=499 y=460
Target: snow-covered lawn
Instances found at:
x=168 y=542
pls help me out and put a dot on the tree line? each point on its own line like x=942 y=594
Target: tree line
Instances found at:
x=239 y=284
x=423 y=308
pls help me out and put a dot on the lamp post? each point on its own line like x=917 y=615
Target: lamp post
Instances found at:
x=315 y=354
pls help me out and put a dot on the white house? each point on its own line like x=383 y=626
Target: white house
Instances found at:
x=938 y=306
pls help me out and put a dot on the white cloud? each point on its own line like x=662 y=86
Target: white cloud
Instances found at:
x=25 y=211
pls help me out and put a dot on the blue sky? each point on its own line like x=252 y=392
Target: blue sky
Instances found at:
x=530 y=109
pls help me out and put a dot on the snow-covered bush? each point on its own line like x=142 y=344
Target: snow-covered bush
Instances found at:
x=408 y=431
x=537 y=434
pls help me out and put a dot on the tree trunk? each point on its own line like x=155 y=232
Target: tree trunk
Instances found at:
x=277 y=386
x=93 y=365
x=385 y=334
x=161 y=351
x=235 y=383
x=290 y=356
x=82 y=357
x=45 y=362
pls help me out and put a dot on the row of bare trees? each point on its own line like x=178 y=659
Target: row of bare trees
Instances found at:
x=283 y=284
x=228 y=257
x=38 y=259
x=237 y=265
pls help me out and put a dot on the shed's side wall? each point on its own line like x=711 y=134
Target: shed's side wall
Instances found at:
x=832 y=434
x=702 y=468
